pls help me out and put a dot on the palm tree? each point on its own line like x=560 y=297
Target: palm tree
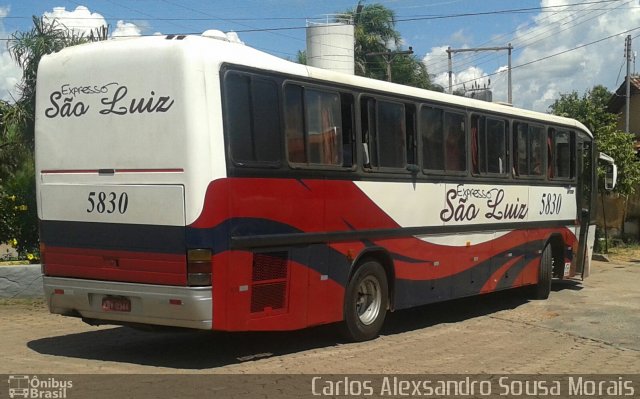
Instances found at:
x=17 y=126
x=375 y=32
x=27 y=48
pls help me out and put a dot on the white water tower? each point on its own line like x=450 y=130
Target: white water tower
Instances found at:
x=330 y=45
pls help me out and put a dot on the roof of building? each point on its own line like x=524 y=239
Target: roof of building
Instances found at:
x=617 y=99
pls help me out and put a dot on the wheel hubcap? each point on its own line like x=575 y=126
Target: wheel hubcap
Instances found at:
x=369 y=300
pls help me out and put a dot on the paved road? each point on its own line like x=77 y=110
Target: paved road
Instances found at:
x=590 y=328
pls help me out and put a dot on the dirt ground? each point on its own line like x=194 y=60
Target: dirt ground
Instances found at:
x=590 y=327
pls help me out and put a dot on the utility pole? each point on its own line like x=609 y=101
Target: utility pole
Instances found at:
x=509 y=48
x=388 y=57
x=628 y=55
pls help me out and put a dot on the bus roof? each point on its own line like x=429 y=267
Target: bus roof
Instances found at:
x=219 y=51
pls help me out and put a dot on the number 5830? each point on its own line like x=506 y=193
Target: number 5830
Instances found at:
x=103 y=202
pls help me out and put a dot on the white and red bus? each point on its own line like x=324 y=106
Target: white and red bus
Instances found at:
x=195 y=182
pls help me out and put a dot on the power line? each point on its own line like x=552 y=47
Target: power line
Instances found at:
x=506 y=11
x=565 y=7
x=397 y=19
x=521 y=44
x=557 y=54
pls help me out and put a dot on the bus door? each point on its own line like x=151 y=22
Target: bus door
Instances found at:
x=586 y=198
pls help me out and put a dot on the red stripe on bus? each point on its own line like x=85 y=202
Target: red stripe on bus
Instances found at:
x=307 y=205
x=125 y=266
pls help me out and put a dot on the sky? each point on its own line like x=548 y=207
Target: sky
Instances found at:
x=559 y=46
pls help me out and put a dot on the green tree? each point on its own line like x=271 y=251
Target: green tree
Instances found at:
x=17 y=121
x=301 y=57
x=27 y=48
x=374 y=29
x=12 y=148
x=18 y=210
x=591 y=110
x=409 y=70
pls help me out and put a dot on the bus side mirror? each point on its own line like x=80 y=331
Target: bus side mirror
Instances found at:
x=610 y=176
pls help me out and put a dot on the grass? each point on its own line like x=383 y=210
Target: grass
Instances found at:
x=626 y=253
x=14 y=262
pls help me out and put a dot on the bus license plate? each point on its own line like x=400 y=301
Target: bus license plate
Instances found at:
x=113 y=304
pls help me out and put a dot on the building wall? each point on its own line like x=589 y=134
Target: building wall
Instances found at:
x=624 y=216
x=634 y=120
x=613 y=214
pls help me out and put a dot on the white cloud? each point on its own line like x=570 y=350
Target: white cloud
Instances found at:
x=437 y=59
x=10 y=76
x=83 y=21
x=537 y=85
x=126 y=29
x=460 y=36
x=80 y=20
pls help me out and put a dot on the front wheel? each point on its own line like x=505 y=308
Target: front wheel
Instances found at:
x=366 y=301
x=543 y=288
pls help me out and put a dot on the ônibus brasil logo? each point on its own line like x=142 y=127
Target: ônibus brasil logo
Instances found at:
x=24 y=386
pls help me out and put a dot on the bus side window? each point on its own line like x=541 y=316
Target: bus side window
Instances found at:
x=432 y=134
x=314 y=126
x=528 y=149
x=294 y=124
x=384 y=134
x=536 y=150
x=550 y=159
x=489 y=145
x=496 y=146
x=368 y=124
x=563 y=152
x=252 y=119
x=392 y=145
x=348 y=132
x=520 y=163
x=410 y=123
x=455 y=142
x=324 y=127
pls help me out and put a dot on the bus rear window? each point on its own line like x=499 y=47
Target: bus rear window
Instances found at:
x=252 y=119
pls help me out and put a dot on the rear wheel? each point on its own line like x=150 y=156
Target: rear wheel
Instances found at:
x=543 y=288
x=366 y=301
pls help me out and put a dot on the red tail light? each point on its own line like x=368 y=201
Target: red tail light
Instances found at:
x=199 y=267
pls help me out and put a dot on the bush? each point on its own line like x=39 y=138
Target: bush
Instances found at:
x=18 y=213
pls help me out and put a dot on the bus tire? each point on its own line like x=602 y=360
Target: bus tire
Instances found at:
x=543 y=288
x=366 y=302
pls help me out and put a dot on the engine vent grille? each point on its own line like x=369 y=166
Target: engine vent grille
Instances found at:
x=269 y=266
x=271 y=295
x=270 y=275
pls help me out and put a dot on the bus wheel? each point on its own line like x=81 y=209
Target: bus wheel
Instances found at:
x=543 y=288
x=366 y=301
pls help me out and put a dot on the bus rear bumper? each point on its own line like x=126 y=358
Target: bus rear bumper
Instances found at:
x=189 y=307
